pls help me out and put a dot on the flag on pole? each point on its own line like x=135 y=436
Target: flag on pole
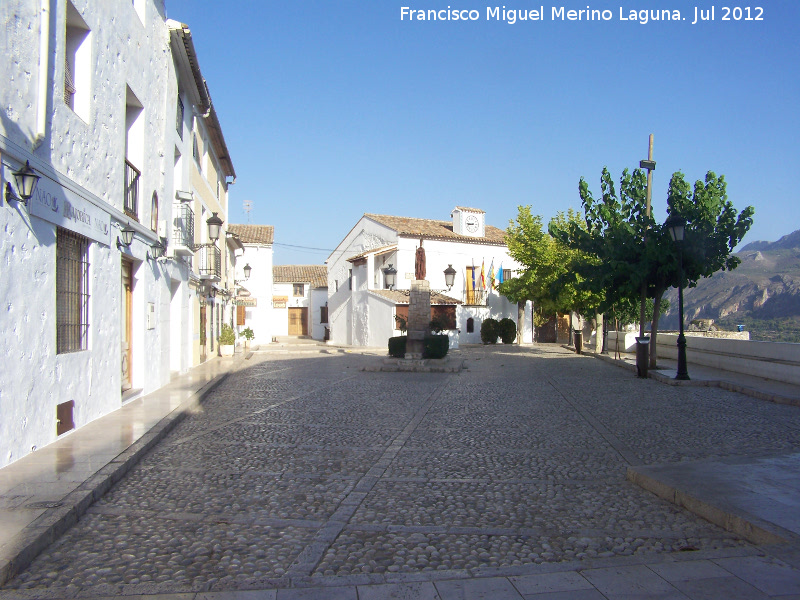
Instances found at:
x=491 y=276
x=473 y=273
x=483 y=275
x=500 y=274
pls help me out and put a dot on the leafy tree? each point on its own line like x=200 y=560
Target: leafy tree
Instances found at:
x=631 y=250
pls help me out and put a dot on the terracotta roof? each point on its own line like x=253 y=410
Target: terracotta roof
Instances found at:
x=436 y=230
x=401 y=297
x=465 y=209
x=253 y=234
x=316 y=275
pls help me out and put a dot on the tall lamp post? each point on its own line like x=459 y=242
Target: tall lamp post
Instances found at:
x=677 y=226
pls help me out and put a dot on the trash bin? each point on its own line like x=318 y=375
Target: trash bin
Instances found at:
x=577 y=337
x=642 y=356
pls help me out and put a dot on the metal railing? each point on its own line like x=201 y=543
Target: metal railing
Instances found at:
x=132 y=176
x=183 y=225
x=210 y=262
x=475 y=297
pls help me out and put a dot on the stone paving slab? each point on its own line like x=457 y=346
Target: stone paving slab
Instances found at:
x=267 y=492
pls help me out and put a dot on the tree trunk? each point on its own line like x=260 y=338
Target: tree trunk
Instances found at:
x=598 y=345
x=521 y=320
x=654 y=329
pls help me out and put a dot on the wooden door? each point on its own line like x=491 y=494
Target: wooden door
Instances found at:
x=298 y=321
x=126 y=328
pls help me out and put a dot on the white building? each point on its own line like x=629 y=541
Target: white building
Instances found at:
x=300 y=300
x=254 y=299
x=362 y=310
x=90 y=322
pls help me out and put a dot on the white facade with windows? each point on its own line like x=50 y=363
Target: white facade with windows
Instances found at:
x=362 y=310
x=90 y=323
x=300 y=300
x=254 y=294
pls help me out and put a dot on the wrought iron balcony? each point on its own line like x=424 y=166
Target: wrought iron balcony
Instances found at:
x=209 y=262
x=475 y=297
x=132 y=176
x=183 y=229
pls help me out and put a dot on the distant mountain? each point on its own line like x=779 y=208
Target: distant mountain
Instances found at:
x=763 y=293
x=787 y=242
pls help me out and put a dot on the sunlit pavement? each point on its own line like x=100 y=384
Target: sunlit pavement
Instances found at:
x=302 y=476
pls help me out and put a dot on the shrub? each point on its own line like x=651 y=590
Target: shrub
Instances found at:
x=397 y=346
x=435 y=346
x=490 y=329
x=438 y=325
x=227 y=337
x=508 y=330
x=248 y=334
x=402 y=324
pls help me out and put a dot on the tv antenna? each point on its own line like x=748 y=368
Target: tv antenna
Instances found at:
x=248 y=206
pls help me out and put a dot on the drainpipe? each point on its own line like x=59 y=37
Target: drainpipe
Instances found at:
x=44 y=57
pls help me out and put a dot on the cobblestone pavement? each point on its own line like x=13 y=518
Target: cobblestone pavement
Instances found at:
x=302 y=470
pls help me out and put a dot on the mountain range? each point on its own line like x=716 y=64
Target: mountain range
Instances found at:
x=762 y=293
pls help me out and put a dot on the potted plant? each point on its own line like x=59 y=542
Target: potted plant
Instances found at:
x=227 y=339
x=248 y=336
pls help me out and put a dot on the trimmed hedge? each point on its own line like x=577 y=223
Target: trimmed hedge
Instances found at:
x=435 y=346
x=490 y=330
x=397 y=346
x=508 y=331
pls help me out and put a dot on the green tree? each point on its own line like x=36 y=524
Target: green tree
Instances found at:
x=631 y=250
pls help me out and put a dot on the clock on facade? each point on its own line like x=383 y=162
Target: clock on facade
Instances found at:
x=471 y=223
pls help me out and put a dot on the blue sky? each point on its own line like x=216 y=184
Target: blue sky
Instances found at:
x=334 y=108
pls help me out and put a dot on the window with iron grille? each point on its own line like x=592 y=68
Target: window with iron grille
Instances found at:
x=298 y=289
x=72 y=291
x=323 y=314
x=179 y=123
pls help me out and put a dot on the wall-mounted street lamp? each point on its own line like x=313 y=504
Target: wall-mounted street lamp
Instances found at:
x=390 y=276
x=247 y=270
x=214 y=224
x=676 y=225
x=26 y=179
x=125 y=237
x=449 y=277
x=157 y=251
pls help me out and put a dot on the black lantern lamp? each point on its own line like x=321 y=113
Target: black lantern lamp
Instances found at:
x=214 y=224
x=449 y=277
x=125 y=237
x=247 y=270
x=26 y=179
x=157 y=251
x=676 y=225
x=390 y=276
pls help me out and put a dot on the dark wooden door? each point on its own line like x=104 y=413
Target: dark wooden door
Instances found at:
x=126 y=327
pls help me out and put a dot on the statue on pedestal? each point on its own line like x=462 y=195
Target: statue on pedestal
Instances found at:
x=419 y=262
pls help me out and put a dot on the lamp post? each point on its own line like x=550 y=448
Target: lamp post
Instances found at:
x=677 y=226
x=247 y=269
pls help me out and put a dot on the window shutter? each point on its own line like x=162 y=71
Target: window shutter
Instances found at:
x=240 y=315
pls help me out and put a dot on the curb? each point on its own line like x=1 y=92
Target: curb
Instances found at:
x=56 y=521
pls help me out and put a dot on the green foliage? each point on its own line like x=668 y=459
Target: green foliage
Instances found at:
x=438 y=325
x=248 y=334
x=228 y=336
x=508 y=330
x=550 y=277
x=402 y=324
x=627 y=311
x=435 y=346
x=490 y=330
x=397 y=346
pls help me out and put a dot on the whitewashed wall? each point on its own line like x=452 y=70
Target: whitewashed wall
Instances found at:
x=260 y=317
x=84 y=156
x=319 y=298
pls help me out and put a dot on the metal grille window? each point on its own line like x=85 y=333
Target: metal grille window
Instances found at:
x=179 y=124
x=132 y=176
x=69 y=85
x=72 y=291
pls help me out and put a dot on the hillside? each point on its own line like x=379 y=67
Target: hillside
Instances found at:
x=763 y=293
